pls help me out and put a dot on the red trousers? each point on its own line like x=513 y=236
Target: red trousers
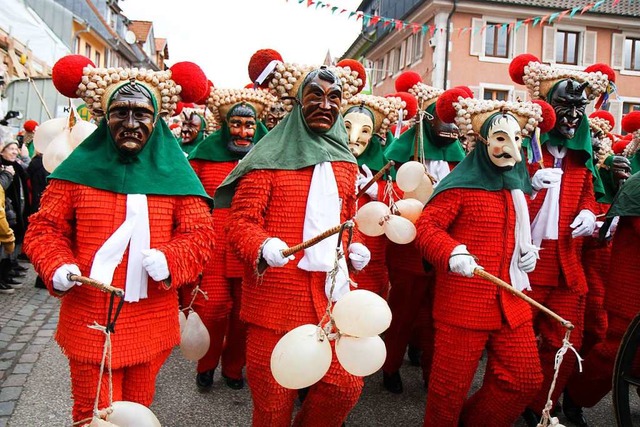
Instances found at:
x=512 y=376
x=135 y=383
x=589 y=387
x=228 y=334
x=570 y=306
x=409 y=294
x=327 y=404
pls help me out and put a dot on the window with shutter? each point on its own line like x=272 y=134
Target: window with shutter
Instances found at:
x=496 y=41
x=615 y=108
x=549 y=44
x=617 y=49
x=409 y=51
x=589 y=51
x=495 y=94
x=566 y=47
x=418 y=45
x=520 y=40
x=476 y=36
x=632 y=54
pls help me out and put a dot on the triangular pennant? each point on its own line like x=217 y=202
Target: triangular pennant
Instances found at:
x=562 y=15
x=574 y=11
x=399 y=25
x=374 y=19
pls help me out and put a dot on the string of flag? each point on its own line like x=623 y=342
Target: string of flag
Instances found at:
x=399 y=25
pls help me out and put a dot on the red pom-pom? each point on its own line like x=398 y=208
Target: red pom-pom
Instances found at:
x=444 y=105
x=181 y=105
x=192 y=80
x=516 y=68
x=603 y=114
x=174 y=125
x=548 y=116
x=604 y=69
x=204 y=99
x=619 y=146
x=67 y=74
x=631 y=122
x=407 y=80
x=411 y=103
x=357 y=67
x=466 y=90
x=30 y=125
x=259 y=62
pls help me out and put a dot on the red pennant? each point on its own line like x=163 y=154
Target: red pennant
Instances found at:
x=586 y=8
x=399 y=24
x=432 y=30
x=416 y=28
x=385 y=23
x=374 y=20
x=563 y=14
x=544 y=18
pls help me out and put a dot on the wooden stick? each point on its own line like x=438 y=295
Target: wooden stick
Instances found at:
x=44 y=104
x=96 y=284
x=493 y=279
x=374 y=178
x=262 y=264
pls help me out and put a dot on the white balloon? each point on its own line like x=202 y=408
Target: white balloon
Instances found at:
x=300 y=359
x=182 y=318
x=422 y=192
x=57 y=151
x=399 y=230
x=409 y=175
x=369 y=216
x=132 y=414
x=47 y=131
x=410 y=209
x=97 y=422
x=361 y=356
x=361 y=313
x=194 y=338
x=81 y=130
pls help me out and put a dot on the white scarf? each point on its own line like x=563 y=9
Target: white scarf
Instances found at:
x=322 y=213
x=438 y=169
x=520 y=279
x=545 y=224
x=134 y=233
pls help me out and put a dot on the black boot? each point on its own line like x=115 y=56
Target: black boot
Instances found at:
x=572 y=411
x=5 y=274
x=15 y=265
x=5 y=289
x=392 y=382
x=233 y=383
x=204 y=380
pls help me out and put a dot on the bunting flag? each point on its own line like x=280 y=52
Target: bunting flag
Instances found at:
x=399 y=25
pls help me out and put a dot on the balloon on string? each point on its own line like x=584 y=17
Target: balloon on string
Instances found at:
x=361 y=313
x=410 y=175
x=47 y=131
x=194 y=338
x=182 y=319
x=97 y=422
x=399 y=230
x=301 y=358
x=80 y=131
x=409 y=209
x=361 y=356
x=57 y=151
x=132 y=414
x=369 y=216
x=423 y=192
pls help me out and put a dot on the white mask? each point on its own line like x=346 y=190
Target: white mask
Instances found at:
x=360 y=129
x=504 y=141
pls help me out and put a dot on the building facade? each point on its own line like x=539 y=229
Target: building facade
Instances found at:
x=474 y=42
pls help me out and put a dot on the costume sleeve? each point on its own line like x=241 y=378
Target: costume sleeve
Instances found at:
x=245 y=226
x=50 y=232
x=192 y=243
x=433 y=240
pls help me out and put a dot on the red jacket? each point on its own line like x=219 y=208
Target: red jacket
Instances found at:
x=563 y=257
x=272 y=203
x=73 y=222
x=484 y=221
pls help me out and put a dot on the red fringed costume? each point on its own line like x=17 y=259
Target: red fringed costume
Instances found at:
x=272 y=203
x=73 y=222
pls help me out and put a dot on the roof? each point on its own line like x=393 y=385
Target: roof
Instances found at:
x=622 y=8
x=162 y=46
x=141 y=30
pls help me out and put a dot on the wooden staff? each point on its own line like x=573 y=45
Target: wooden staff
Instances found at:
x=262 y=265
x=374 y=178
x=493 y=279
x=96 y=284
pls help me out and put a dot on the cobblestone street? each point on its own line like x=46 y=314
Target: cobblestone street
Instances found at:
x=35 y=387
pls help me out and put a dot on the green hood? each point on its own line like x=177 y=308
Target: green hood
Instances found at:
x=159 y=168
x=291 y=145
x=373 y=156
x=214 y=147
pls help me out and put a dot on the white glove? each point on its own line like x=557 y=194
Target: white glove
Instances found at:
x=527 y=262
x=60 y=277
x=272 y=252
x=359 y=255
x=362 y=180
x=461 y=262
x=156 y=265
x=584 y=224
x=546 y=178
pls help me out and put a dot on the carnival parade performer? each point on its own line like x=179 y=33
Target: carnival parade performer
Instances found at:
x=479 y=212
x=125 y=208
x=296 y=183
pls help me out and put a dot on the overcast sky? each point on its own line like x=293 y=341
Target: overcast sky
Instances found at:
x=221 y=35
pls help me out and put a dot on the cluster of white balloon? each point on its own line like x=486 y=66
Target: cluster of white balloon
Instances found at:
x=57 y=138
x=303 y=356
x=125 y=414
x=397 y=219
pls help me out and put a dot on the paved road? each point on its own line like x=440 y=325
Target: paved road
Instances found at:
x=35 y=390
